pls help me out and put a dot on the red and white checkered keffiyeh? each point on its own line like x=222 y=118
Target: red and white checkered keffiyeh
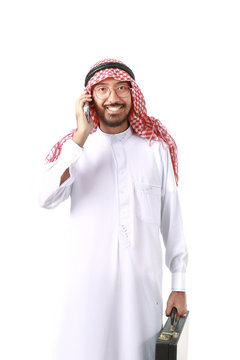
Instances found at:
x=142 y=124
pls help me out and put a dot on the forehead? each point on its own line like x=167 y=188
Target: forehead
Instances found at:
x=111 y=82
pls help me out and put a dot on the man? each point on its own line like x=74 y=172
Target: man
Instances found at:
x=120 y=169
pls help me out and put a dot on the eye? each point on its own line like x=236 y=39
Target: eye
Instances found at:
x=101 y=90
x=122 y=88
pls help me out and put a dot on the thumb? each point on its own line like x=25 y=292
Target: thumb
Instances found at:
x=169 y=308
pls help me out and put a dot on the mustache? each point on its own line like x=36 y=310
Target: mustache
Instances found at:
x=114 y=104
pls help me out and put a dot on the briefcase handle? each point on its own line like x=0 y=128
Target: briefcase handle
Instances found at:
x=173 y=316
x=174 y=319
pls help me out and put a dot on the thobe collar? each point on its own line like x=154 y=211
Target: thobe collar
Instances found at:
x=112 y=138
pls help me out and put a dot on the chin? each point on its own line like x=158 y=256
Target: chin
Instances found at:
x=114 y=122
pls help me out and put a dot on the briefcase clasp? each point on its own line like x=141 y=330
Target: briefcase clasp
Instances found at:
x=168 y=335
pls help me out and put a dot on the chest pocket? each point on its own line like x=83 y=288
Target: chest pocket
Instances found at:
x=147 y=202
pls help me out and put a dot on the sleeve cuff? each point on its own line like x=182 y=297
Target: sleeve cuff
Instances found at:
x=178 y=281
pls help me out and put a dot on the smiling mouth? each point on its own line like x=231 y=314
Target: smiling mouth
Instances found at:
x=114 y=108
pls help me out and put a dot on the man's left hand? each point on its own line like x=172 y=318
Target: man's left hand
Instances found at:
x=178 y=300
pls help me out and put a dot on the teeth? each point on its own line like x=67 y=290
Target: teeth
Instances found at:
x=113 y=108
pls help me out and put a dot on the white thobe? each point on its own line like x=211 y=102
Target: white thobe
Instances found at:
x=123 y=195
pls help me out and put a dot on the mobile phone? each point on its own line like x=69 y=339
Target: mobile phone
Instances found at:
x=86 y=110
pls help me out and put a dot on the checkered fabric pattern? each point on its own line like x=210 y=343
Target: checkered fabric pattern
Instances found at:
x=144 y=125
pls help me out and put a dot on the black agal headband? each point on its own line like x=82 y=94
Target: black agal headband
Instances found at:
x=108 y=65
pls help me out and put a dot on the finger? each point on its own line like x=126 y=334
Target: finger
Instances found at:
x=182 y=311
x=80 y=102
x=85 y=95
x=83 y=98
x=168 y=310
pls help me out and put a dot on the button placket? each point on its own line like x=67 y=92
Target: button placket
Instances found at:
x=123 y=194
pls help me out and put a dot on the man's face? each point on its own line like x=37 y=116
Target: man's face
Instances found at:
x=113 y=109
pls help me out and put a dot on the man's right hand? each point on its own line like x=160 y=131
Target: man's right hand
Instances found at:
x=83 y=126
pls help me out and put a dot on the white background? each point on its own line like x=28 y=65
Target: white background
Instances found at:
x=185 y=56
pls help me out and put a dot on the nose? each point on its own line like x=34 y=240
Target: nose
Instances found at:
x=113 y=97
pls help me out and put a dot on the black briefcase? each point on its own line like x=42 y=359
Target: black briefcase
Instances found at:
x=172 y=341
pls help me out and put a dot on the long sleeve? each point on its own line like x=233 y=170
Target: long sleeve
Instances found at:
x=51 y=192
x=172 y=227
